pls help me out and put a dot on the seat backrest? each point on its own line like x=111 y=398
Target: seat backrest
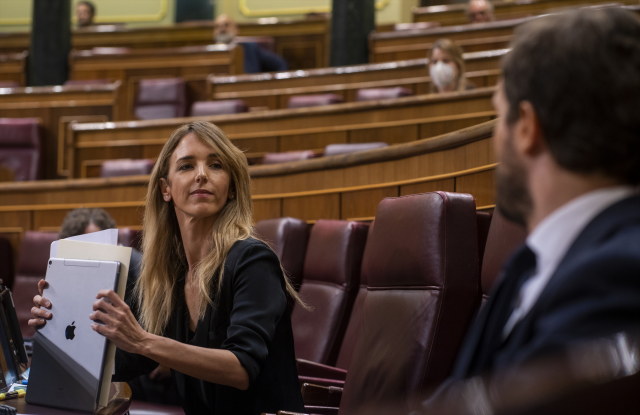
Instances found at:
x=351 y=333
x=126 y=167
x=73 y=82
x=422 y=266
x=6 y=263
x=223 y=107
x=275 y=158
x=21 y=147
x=335 y=149
x=161 y=98
x=503 y=239
x=303 y=101
x=288 y=237
x=130 y=237
x=31 y=267
x=330 y=283
x=9 y=84
x=374 y=94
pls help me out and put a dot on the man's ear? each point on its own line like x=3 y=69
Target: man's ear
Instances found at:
x=528 y=139
x=165 y=189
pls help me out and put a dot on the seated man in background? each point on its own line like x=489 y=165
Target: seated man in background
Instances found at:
x=568 y=146
x=256 y=59
x=85 y=12
x=480 y=11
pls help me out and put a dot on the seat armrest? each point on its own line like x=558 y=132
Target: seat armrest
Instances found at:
x=317 y=395
x=320 y=381
x=318 y=370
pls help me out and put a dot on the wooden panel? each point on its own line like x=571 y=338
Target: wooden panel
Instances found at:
x=312 y=207
x=267 y=209
x=6 y=175
x=480 y=185
x=364 y=203
x=447 y=185
x=389 y=135
x=312 y=141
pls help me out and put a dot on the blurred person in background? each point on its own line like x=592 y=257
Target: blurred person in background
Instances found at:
x=85 y=12
x=480 y=11
x=446 y=67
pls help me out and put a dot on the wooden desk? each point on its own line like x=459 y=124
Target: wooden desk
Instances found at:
x=119 y=403
x=193 y=63
x=455 y=14
x=273 y=90
x=391 y=121
x=303 y=43
x=13 y=67
x=57 y=107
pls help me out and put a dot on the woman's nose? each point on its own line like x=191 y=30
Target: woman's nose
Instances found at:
x=201 y=174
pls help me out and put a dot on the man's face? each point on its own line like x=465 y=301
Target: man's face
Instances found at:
x=479 y=12
x=83 y=13
x=512 y=189
x=224 y=30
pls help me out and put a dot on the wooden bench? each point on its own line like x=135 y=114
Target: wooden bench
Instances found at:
x=273 y=90
x=392 y=121
x=192 y=63
x=13 y=67
x=455 y=14
x=303 y=43
x=57 y=107
x=338 y=187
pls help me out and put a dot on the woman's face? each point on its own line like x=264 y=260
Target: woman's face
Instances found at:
x=197 y=182
x=443 y=78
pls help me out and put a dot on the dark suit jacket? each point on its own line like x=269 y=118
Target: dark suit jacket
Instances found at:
x=594 y=292
x=257 y=59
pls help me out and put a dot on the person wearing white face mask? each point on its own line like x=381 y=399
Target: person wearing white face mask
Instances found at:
x=446 y=67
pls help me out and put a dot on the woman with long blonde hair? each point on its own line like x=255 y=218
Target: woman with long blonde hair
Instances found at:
x=446 y=67
x=212 y=297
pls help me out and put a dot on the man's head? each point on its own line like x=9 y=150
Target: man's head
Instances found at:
x=83 y=220
x=85 y=11
x=570 y=97
x=224 y=29
x=480 y=11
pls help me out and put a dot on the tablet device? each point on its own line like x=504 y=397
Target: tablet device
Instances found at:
x=68 y=356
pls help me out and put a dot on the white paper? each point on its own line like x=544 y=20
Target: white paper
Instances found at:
x=107 y=237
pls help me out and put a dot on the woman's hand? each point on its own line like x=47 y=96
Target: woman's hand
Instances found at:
x=120 y=326
x=40 y=315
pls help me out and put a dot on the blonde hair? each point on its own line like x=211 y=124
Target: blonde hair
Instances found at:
x=164 y=258
x=455 y=52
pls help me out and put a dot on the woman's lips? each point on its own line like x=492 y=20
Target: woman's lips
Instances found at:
x=201 y=193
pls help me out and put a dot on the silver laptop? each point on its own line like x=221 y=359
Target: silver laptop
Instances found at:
x=68 y=356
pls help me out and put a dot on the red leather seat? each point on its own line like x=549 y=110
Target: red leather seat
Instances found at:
x=73 y=82
x=9 y=84
x=228 y=106
x=330 y=283
x=126 y=167
x=288 y=237
x=275 y=158
x=161 y=98
x=32 y=266
x=374 y=94
x=129 y=237
x=421 y=262
x=6 y=263
x=415 y=26
x=21 y=147
x=303 y=101
x=335 y=149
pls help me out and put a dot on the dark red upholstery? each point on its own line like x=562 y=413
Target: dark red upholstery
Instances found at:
x=32 y=266
x=330 y=283
x=129 y=237
x=106 y=50
x=72 y=82
x=374 y=94
x=275 y=158
x=6 y=263
x=265 y=42
x=503 y=239
x=228 y=106
x=161 y=98
x=414 y=26
x=422 y=265
x=288 y=237
x=21 y=147
x=126 y=167
x=147 y=408
x=484 y=222
x=303 y=101
x=334 y=149
x=9 y=84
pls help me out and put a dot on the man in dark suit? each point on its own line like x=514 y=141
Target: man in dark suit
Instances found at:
x=568 y=145
x=256 y=58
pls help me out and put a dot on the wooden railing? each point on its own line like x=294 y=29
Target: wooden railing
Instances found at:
x=13 y=67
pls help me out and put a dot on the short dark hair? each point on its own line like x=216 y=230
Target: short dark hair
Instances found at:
x=90 y=5
x=77 y=220
x=581 y=72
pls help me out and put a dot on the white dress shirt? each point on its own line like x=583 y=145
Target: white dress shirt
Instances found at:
x=553 y=237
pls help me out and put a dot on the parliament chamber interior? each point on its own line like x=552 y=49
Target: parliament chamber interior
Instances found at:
x=369 y=130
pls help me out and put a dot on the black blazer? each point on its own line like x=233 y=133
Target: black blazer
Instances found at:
x=594 y=292
x=250 y=318
x=257 y=59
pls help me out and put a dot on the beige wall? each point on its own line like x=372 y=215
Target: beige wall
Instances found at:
x=15 y=15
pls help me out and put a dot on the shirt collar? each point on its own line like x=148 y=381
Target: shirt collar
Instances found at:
x=551 y=239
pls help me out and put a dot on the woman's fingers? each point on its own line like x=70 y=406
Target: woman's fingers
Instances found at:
x=40 y=301
x=103 y=305
x=103 y=317
x=41 y=285
x=36 y=322
x=40 y=313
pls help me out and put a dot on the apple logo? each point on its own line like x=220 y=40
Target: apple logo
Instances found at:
x=69 y=333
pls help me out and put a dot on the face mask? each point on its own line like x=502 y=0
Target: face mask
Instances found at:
x=442 y=74
x=225 y=38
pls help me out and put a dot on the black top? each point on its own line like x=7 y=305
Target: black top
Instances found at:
x=250 y=319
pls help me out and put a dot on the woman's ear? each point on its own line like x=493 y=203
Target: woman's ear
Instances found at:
x=165 y=189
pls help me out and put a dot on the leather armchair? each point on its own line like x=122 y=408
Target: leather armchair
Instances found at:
x=9 y=84
x=126 y=167
x=303 y=101
x=374 y=94
x=275 y=158
x=21 y=147
x=335 y=149
x=223 y=107
x=161 y=98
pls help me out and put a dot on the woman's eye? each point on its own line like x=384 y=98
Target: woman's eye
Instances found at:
x=184 y=167
x=216 y=165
